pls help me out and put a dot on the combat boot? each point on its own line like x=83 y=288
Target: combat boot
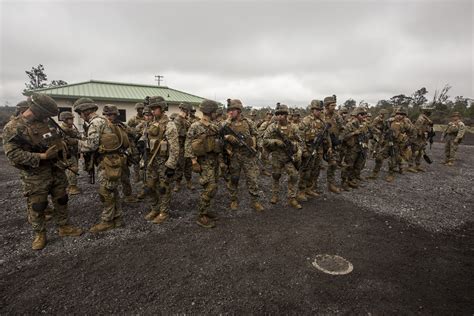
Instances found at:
x=177 y=186
x=310 y=192
x=69 y=230
x=373 y=176
x=301 y=196
x=205 y=221
x=257 y=206
x=189 y=185
x=345 y=186
x=130 y=199
x=234 y=205
x=161 y=218
x=389 y=178
x=412 y=169
x=294 y=203
x=118 y=222
x=73 y=190
x=274 y=199
x=420 y=168
x=353 y=184
x=333 y=188
x=102 y=227
x=151 y=215
x=39 y=242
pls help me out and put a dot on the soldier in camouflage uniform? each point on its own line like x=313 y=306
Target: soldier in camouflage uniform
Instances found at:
x=184 y=164
x=219 y=115
x=203 y=146
x=164 y=144
x=312 y=127
x=354 y=131
x=337 y=127
x=133 y=123
x=453 y=136
x=284 y=158
x=192 y=115
x=377 y=127
x=264 y=154
x=239 y=157
x=102 y=143
x=423 y=126
x=34 y=147
x=67 y=125
x=21 y=107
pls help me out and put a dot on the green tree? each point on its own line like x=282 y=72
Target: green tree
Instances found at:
x=38 y=79
x=418 y=97
x=350 y=103
x=400 y=100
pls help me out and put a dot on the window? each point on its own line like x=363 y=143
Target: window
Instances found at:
x=122 y=115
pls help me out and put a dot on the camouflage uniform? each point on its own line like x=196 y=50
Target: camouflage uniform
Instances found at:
x=73 y=151
x=184 y=164
x=453 y=136
x=281 y=162
x=133 y=123
x=264 y=154
x=24 y=139
x=423 y=126
x=376 y=128
x=203 y=147
x=240 y=158
x=164 y=144
x=335 y=131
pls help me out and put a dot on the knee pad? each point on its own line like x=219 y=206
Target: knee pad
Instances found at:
x=276 y=176
x=39 y=206
x=234 y=180
x=63 y=200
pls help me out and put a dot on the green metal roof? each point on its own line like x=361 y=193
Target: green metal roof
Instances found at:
x=116 y=91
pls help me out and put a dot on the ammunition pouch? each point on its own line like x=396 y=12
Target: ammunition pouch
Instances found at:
x=205 y=144
x=113 y=166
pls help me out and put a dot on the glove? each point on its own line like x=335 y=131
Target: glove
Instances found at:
x=278 y=143
x=169 y=172
x=196 y=167
x=231 y=139
x=51 y=153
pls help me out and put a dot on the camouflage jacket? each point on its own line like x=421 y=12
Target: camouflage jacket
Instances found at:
x=162 y=133
x=73 y=138
x=202 y=128
x=310 y=128
x=96 y=126
x=423 y=124
x=245 y=127
x=455 y=130
x=353 y=130
x=182 y=125
x=292 y=133
x=337 y=124
x=134 y=121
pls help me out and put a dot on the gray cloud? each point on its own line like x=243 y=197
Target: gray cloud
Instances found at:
x=261 y=52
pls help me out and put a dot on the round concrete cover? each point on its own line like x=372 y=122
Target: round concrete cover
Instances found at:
x=332 y=264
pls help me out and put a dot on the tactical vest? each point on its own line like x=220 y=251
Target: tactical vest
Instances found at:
x=452 y=128
x=242 y=127
x=207 y=142
x=315 y=127
x=112 y=139
x=156 y=134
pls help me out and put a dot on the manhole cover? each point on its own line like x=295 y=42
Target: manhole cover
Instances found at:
x=332 y=264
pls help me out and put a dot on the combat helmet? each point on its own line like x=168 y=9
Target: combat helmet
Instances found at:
x=384 y=112
x=208 y=106
x=185 y=107
x=23 y=105
x=43 y=105
x=315 y=105
x=220 y=111
x=147 y=110
x=281 y=109
x=158 y=102
x=234 y=104
x=329 y=100
x=358 y=110
x=84 y=104
x=402 y=111
x=66 y=115
x=139 y=105
x=110 y=109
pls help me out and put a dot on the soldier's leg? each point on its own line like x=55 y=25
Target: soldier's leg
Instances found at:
x=453 y=148
x=359 y=165
x=252 y=171
x=304 y=175
x=179 y=170
x=151 y=189
x=277 y=168
x=108 y=194
x=314 y=172
x=164 y=193
x=136 y=173
x=292 y=185
x=208 y=181
x=126 y=185
x=234 y=168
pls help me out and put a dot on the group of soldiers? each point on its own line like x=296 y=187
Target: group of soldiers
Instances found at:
x=219 y=147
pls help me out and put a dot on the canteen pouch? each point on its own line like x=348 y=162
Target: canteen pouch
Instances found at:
x=112 y=165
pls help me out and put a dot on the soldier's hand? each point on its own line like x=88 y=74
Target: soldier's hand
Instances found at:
x=196 y=167
x=169 y=172
x=279 y=143
x=51 y=153
x=231 y=139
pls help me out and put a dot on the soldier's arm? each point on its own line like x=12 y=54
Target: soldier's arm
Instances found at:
x=14 y=152
x=190 y=136
x=461 y=132
x=349 y=131
x=171 y=136
x=269 y=136
x=92 y=141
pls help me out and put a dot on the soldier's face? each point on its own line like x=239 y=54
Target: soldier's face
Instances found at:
x=157 y=112
x=140 y=112
x=332 y=107
x=233 y=114
x=148 y=117
x=69 y=122
x=282 y=118
x=316 y=113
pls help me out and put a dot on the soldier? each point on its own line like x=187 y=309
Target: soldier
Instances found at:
x=35 y=148
x=423 y=128
x=133 y=123
x=377 y=127
x=239 y=156
x=192 y=115
x=253 y=116
x=337 y=123
x=164 y=144
x=353 y=135
x=67 y=125
x=111 y=113
x=453 y=136
x=203 y=146
x=283 y=141
x=316 y=137
x=21 y=107
x=219 y=115
x=184 y=164
x=264 y=154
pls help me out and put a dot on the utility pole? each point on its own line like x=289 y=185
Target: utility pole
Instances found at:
x=158 y=78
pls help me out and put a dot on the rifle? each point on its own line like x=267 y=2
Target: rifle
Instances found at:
x=289 y=148
x=431 y=135
x=226 y=130
x=89 y=165
x=318 y=141
x=362 y=140
x=143 y=145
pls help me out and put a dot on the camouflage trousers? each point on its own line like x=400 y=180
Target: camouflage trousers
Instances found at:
x=242 y=162
x=73 y=163
x=137 y=173
x=395 y=160
x=281 y=164
x=335 y=161
x=37 y=186
x=158 y=185
x=125 y=180
x=184 y=166
x=309 y=171
x=109 y=196
x=354 y=162
x=450 y=149
x=208 y=180
x=418 y=148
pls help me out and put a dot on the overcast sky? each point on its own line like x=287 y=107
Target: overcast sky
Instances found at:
x=262 y=52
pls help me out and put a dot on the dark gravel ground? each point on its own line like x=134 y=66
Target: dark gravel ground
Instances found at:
x=411 y=244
